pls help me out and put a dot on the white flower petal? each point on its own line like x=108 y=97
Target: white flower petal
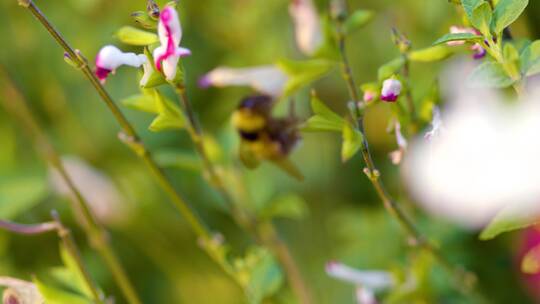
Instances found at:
x=307 y=25
x=374 y=280
x=265 y=79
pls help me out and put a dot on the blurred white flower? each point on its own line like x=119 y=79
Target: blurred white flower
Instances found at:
x=366 y=282
x=110 y=58
x=436 y=124
x=267 y=79
x=166 y=56
x=307 y=25
x=397 y=155
x=20 y=292
x=100 y=192
x=486 y=159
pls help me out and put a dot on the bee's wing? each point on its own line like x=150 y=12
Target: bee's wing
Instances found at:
x=248 y=158
x=288 y=166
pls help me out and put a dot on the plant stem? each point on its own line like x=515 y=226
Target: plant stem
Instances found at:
x=129 y=136
x=462 y=279
x=266 y=234
x=14 y=103
x=69 y=243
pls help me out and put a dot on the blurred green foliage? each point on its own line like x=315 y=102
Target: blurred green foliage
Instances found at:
x=342 y=218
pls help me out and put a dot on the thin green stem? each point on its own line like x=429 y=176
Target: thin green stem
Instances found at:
x=15 y=104
x=69 y=244
x=462 y=279
x=264 y=232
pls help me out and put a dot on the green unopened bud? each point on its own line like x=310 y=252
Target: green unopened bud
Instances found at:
x=24 y=3
x=70 y=61
x=153 y=9
x=144 y=20
x=401 y=41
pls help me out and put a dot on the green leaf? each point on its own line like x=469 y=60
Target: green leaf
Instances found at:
x=141 y=102
x=303 y=73
x=266 y=276
x=387 y=70
x=352 y=142
x=54 y=295
x=170 y=116
x=290 y=206
x=469 y=6
x=530 y=59
x=357 y=20
x=19 y=193
x=481 y=18
x=134 y=36
x=489 y=75
x=509 y=219
x=531 y=261
x=506 y=12
x=324 y=118
x=468 y=37
x=78 y=280
x=431 y=54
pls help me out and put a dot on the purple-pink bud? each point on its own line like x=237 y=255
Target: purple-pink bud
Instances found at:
x=391 y=90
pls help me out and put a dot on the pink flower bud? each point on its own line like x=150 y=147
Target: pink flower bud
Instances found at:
x=391 y=90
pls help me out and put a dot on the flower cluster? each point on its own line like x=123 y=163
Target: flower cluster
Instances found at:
x=165 y=56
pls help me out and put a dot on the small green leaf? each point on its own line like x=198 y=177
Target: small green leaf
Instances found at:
x=352 y=142
x=510 y=52
x=469 y=6
x=78 y=280
x=54 y=295
x=387 y=70
x=506 y=12
x=431 y=54
x=509 y=219
x=141 y=102
x=531 y=261
x=530 y=59
x=324 y=118
x=357 y=20
x=303 y=73
x=481 y=18
x=489 y=75
x=329 y=47
x=170 y=116
x=289 y=206
x=468 y=37
x=134 y=36
x=265 y=277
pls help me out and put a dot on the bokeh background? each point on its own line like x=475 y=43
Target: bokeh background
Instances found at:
x=345 y=221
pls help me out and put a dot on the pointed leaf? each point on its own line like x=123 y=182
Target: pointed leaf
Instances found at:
x=303 y=73
x=511 y=218
x=387 y=70
x=459 y=37
x=481 y=18
x=357 y=20
x=324 y=119
x=54 y=295
x=530 y=59
x=506 y=12
x=352 y=142
x=78 y=278
x=431 y=54
x=489 y=75
x=141 y=102
x=170 y=116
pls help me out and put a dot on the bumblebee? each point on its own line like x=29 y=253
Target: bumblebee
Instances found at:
x=264 y=137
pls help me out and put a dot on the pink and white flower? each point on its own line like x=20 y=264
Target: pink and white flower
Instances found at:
x=267 y=79
x=166 y=56
x=307 y=25
x=110 y=58
x=391 y=90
